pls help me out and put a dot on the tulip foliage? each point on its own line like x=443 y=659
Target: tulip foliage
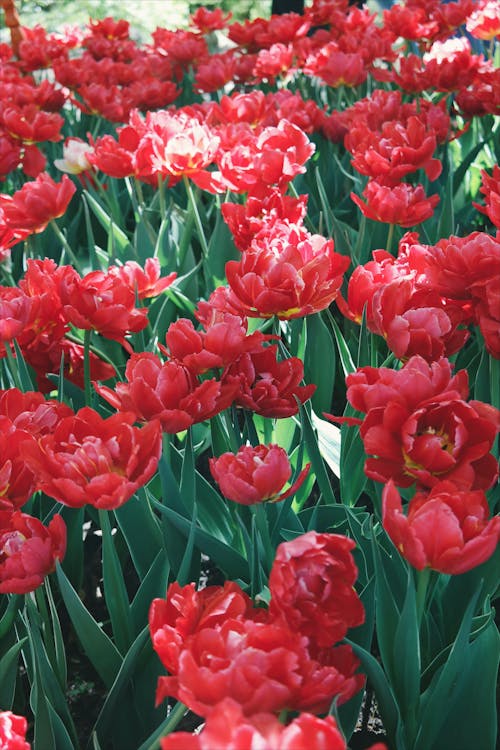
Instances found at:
x=250 y=382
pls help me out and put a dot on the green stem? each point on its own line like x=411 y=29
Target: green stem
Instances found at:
x=166 y=727
x=12 y=366
x=423 y=577
x=197 y=218
x=64 y=242
x=390 y=236
x=86 y=367
x=161 y=195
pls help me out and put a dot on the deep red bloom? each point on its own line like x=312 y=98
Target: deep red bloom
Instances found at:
x=467 y=269
x=490 y=188
x=254 y=474
x=286 y=272
x=484 y=21
x=264 y=666
x=206 y=20
x=258 y=214
x=223 y=341
x=15 y=310
x=394 y=152
x=102 y=302
x=267 y=386
x=88 y=459
x=186 y=611
x=447 y=530
x=312 y=587
x=36 y=203
x=145 y=282
x=416 y=321
x=419 y=427
x=28 y=551
x=402 y=204
x=167 y=391
x=227 y=728
x=17 y=481
x=30 y=124
x=13 y=731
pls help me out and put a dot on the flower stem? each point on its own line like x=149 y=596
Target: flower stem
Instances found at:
x=86 y=366
x=390 y=236
x=422 y=584
x=197 y=217
x=64 y=242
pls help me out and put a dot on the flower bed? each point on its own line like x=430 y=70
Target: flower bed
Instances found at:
x=250 y=391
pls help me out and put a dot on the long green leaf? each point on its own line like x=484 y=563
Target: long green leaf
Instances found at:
x=98 y=647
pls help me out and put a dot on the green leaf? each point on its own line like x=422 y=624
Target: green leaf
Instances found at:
x=115 y=591
x=406 y=660
x=221 y=554
x=141 y=531
x=386 y=702
x=445 y=685
x=117 y=235
x=328 y=442
x=470 y=719
x=8 y=673
x=104 y=724
x=98 y=647
x=314 y=454
x=154 y=584
x=346 y=360
x=319 y=362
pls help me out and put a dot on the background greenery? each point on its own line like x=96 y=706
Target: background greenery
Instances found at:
x=144 y=15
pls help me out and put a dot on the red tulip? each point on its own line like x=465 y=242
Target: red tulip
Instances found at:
x=311 y=586
x=447 y=530
x=254 y=475
x=88 y=459
x=28 y=551
x=227 y=728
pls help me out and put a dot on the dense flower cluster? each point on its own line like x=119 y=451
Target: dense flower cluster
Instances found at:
x=217 y=645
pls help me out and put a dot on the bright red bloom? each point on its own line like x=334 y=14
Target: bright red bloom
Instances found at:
x=145 y=282
x=206 y=20
x=395 y=151
x=419 y=428
x=15 y=310
x=167 y=391
x=267 y=386
x=274 y=157
x=88 y=459
x=186 y=611
x=227 y=728
x=254 y=475
x=466 y=268
x=273 y=62
x=30 y=124
x=484 y=21
x=223 y=341
x=335 y=67
x=312 y=587
x=416 y=321
x=17 y=482
x=447 y=530
x=286 y=272
x=31 y=412
x=28 y=551
x=402 y=204
x=257 y=215
x=176 y=145
x=36 y=203
x=102 y=302
x=490 y=188
x=264 y=666
x=13 y=731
